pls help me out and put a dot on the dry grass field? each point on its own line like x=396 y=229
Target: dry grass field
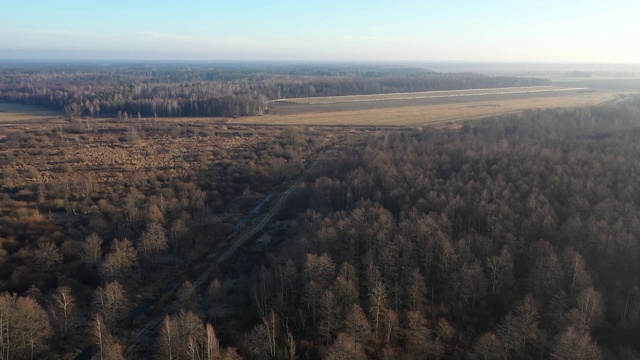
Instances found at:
x=429 y=95
x=10 y=112
x=421 y=111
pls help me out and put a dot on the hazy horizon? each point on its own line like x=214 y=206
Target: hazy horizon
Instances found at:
x=571 y=32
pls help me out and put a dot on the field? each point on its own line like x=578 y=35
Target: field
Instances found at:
x=445 y=95
x=424 y=108
x=10 y=112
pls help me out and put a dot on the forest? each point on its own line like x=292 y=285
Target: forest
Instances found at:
x=514 y=236
x=226 y=90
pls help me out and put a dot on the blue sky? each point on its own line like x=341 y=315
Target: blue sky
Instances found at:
x=402 y=30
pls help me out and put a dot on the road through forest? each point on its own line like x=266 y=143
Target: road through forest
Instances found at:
x=154 y=322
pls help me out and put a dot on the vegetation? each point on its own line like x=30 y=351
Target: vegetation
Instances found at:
x=134 y=90
x=498 y=240
x=514 y=236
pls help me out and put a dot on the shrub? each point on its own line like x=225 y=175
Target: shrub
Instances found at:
x=10 y=173
x=31 y=172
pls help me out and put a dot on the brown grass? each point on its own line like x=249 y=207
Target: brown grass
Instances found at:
x=426 y=114
x=10 y=112
x=429 y=95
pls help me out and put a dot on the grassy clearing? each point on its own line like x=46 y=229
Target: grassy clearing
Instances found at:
x=10 y=112
x=428 y=95
x=417 y=115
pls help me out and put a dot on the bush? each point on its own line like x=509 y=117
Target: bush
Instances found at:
x=10 y=173
x=65 y=168
x=31 y=172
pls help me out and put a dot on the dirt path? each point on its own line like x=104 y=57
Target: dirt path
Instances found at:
x=148 y=330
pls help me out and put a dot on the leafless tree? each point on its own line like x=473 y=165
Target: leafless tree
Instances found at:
x=418 y=336
x=108 y=346
x=489 y=347
x=47 y=255
x=357 y=325
x=153 y=242
x=92 y=250
x=574 y=345
x=516 y=329
x=319 y=271
x=63 y=306
x=24 y=327
x=111 y=302
x=591 y=304
x=120 y=261
x=328 y=312
x=377 y=305
x=346 y=348
x=500 y=269
x=168 y=341
x=212 y=346
x=72 y=111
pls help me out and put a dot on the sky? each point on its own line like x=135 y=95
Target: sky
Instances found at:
x=558 y=31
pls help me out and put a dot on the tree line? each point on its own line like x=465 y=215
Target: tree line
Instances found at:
x=224 y=90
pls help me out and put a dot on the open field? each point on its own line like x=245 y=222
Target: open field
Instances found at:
x=428 y=95
x=10 y=112
x=421 y=111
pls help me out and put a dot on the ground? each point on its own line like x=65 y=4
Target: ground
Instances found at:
x=410 y=109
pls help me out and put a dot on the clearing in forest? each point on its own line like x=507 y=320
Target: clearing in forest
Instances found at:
x=423 y=108
x=10 y=112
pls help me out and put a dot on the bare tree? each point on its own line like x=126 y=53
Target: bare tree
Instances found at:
x=489 y=347
x=319 y=271
x=417 y=292
x=577 y=277
x=72 y=111
x=377 y=305
x=92 y=250
x=328 y=312
x=7 y=320
x=346 y=291
x=212 y=346
x=291 y=347
x=31 y=328
x=418 y=336
x=472 y=283
x=574 y=345
x=188 y=296
x=153 y=242
x=590 y=303
x=501 y=268
x=345 y=347
x=108 y=346
x=231 y=353
x=391 y=325
x=168 y=341
x=178 y=230
x=515 y=330
x=357 y=325
x=189 y=327
x=24 y=327
x=63 y=306
x=47 y=255
x=258 y=341
x=120 y=261
x=111 y=302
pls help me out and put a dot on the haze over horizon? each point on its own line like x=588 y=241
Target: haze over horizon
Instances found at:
x=545 y=31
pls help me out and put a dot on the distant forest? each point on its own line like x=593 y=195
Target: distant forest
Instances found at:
x=127 y=90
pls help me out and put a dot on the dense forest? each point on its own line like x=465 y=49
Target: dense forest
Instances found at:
x=130 y=90
x=508 y=237
x=514 y=237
